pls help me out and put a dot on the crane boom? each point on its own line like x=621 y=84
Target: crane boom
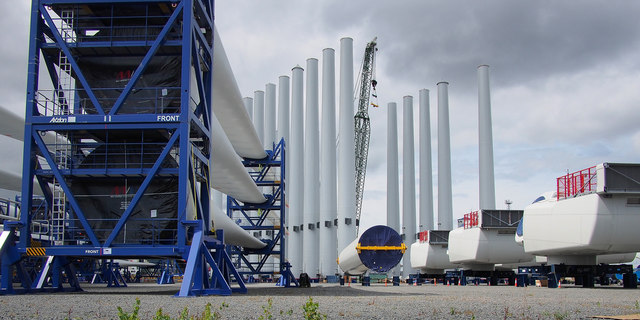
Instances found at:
x=366 y=82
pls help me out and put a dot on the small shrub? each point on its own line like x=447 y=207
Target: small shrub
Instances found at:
x=216 y=315
x=288 y=312
x=311 y=311
x=161 y=316
x=266 y=311
x=133 y=316
x=184 y=315
x=207 y=314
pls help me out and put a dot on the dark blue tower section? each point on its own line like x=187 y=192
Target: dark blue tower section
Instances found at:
x=117 y=136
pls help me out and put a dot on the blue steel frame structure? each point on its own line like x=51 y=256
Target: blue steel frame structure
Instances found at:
x=253 y=217
x=63 y=32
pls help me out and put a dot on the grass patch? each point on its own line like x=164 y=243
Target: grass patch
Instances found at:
x=207 y=314
x=310 y=312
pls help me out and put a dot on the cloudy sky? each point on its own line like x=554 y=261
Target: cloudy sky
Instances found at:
x=565 y=78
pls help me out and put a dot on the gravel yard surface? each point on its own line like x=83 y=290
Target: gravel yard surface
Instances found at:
x=337 y=302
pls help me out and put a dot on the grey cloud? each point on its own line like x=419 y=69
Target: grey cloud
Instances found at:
x=529 y=40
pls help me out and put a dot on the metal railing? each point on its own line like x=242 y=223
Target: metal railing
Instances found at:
x=471 y=220
x=423 y=236
x=111 y=155
x=577 y=183
x=9 y=210
x=109 y=27
x=72 y=101
x=155 y=232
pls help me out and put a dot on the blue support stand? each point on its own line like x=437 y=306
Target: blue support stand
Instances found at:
x=197 y=280
x=396 y=281
x=166 y=275
x=10 y=257
x=287 y=279
x=523 y=280
x=97 y=277
x=111 y=274
x=552 y=278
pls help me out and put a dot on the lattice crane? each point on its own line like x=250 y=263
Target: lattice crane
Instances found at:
x=366 y=87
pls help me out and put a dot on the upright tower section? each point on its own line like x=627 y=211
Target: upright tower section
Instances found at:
x=127 y=92
x=487 y=189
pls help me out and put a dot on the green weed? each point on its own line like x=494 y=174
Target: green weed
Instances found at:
x=133 y=316
x=266 y=311
x=311 y=311
x=207 y=314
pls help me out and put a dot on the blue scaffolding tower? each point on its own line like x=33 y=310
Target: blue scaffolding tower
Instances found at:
x=117 y=136
x=265 y=220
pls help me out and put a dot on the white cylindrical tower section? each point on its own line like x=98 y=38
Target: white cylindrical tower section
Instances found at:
x=258 y=123
x=485 y=143
x=283 y=109
x=248 y=104
x=445 y=199
x=296 y=181
x=269 y=116
x=393 y=184
x=283 y=133
x=311 y=173
x=258 y=114
x=408 y=182
x=268 y=144
x=346 y=149
x=328 y=251
x=426 y=175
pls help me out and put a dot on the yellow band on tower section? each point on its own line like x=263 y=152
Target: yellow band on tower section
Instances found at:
x=402 y=247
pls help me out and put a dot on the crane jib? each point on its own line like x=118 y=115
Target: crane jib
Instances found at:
x=361 y=118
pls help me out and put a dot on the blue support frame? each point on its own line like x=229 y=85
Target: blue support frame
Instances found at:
x=53 y=268
x=166 y=274
x=60 y=31
x=262 y=171
x=111 y=274
x=196 y=280
x=11 y=258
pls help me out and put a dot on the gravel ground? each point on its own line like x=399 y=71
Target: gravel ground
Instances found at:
x=354 y=302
